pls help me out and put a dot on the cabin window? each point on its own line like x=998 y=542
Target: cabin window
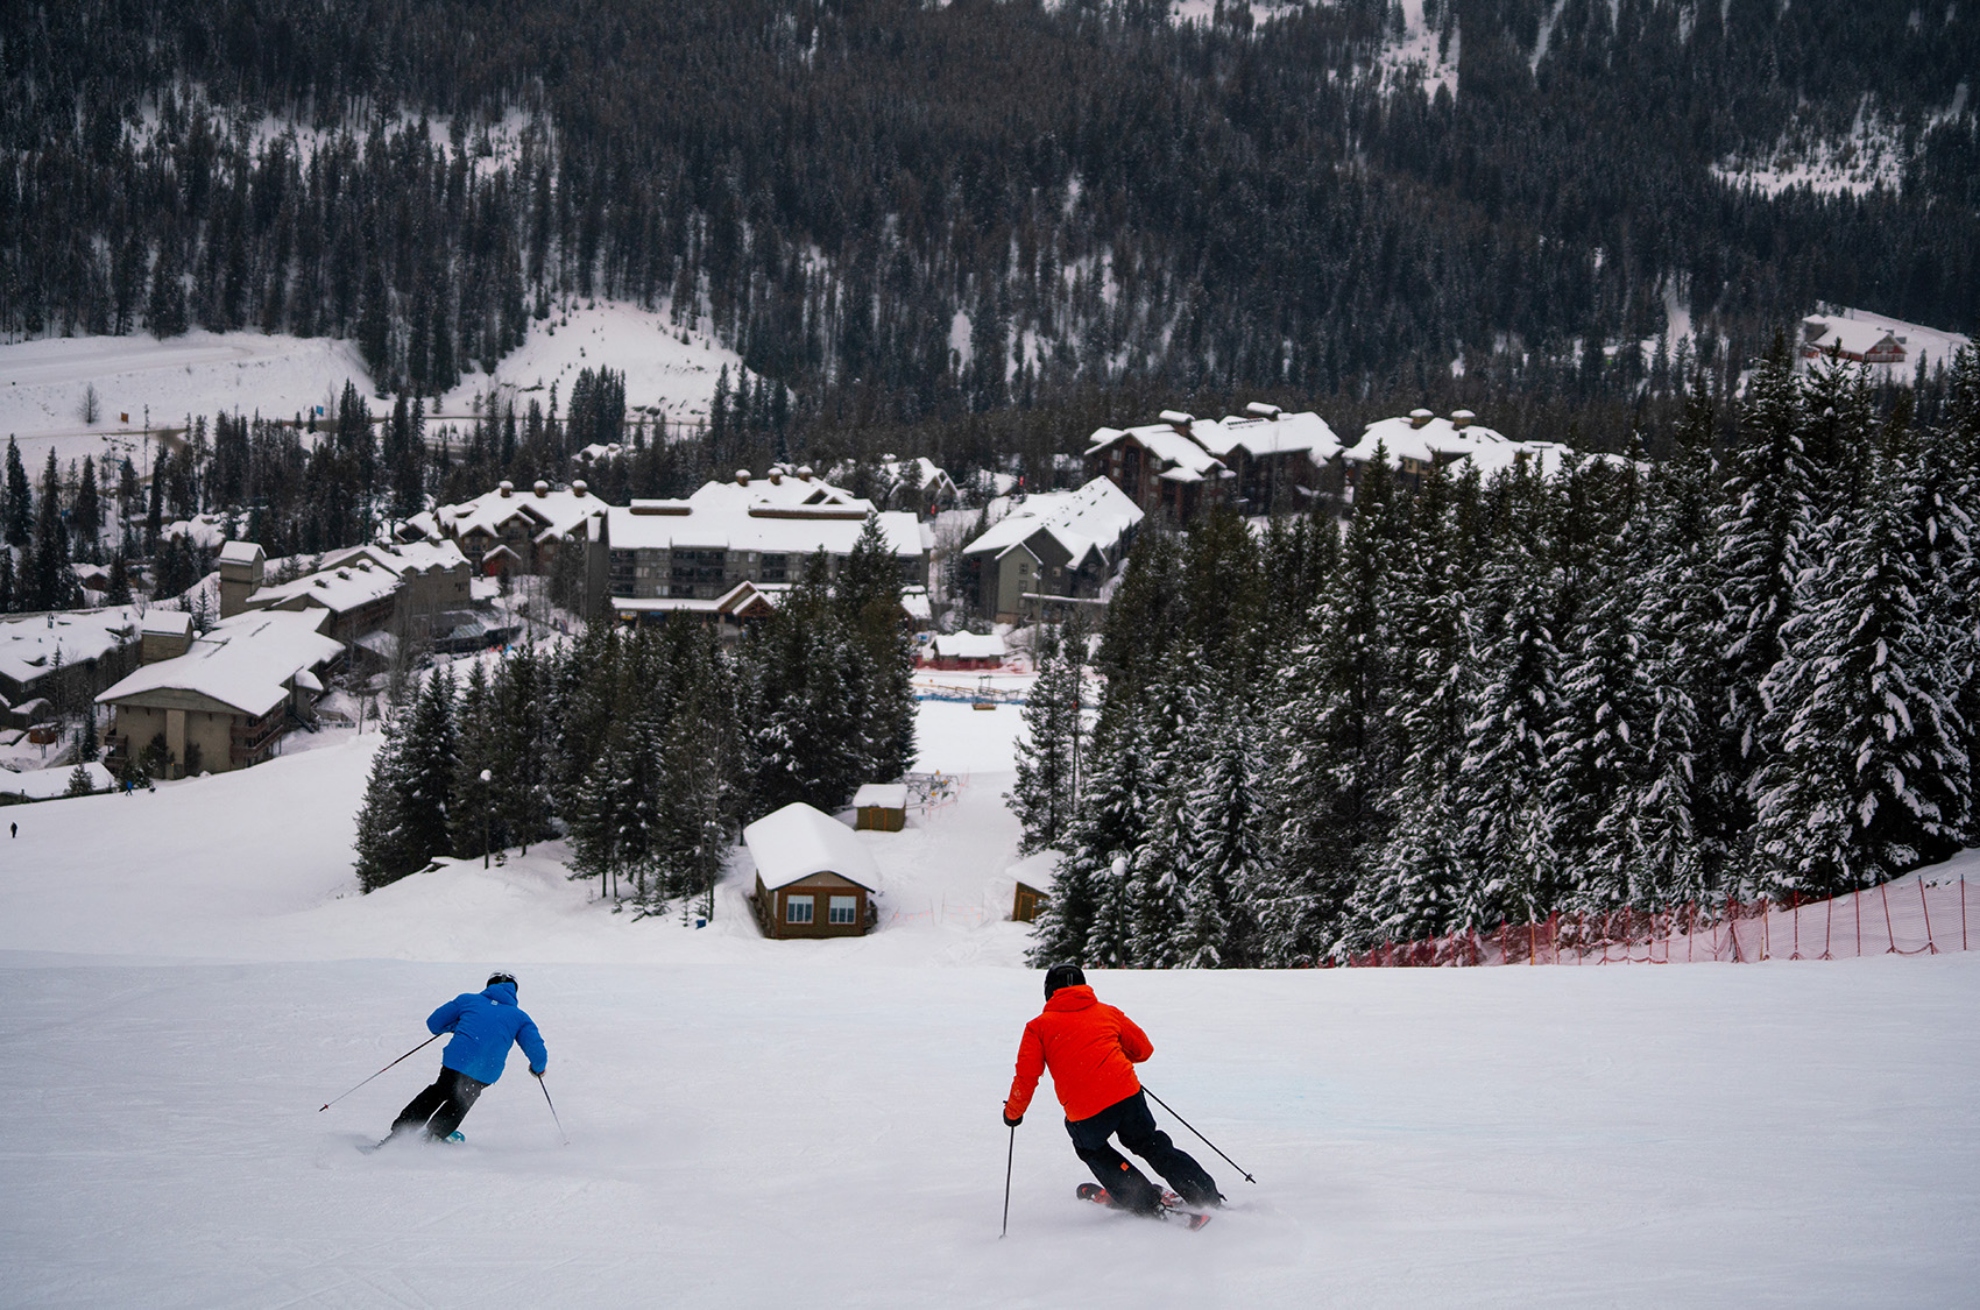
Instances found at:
x=844 y=909
x=797 y=909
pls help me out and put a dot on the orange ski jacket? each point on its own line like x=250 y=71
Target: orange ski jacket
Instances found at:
x=1090 y=1048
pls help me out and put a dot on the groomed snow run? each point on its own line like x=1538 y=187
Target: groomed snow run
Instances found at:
x=189 y=974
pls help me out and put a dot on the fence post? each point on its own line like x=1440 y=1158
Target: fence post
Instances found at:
x=1828 y=922
x=1766 y=927
x=1890 y=933
x=1732 y=927
x=1794 y=901
x=1931 y=947
x=1962 y=911
x=1858 y=898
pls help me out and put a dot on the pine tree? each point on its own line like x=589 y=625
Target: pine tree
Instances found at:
x=1047 y=754
x=1870 y=778
x=471 y=802
x=1086 y=921
x=17 y=514
x=1227 y=820
x=51 y=583
x=426 y=769
x=87 y=518
x=382 y=850
x=1765 y=531
x=1505 y=839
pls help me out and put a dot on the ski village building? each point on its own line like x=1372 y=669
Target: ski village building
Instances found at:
x=1420 y=441
x=727 y=550
x=1851 y=339
x=813 y=877
x=506 y=532
x=1259 y=460
x=226 y=702
x=1059 y=546
x=67 y=656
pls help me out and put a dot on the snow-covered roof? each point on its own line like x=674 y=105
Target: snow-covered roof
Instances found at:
x=1438 y=438
x=205 y=531
x=969 y=646
x=1188 y=462
x=166 y=623
x=241 y=552
x=790 y=516
x=543 y=511
x=797 y=841
x=247 y=661
x=1092 y=518
x=411 y=556
x=50 y=784
x=1848 y=335
x=1269 y=431
x=340 y=590
x=29 y=645
x=1037 y=870
x=885 y=795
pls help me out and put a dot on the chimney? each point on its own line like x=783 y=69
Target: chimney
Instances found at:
x=742 y=477
x=804 y=473
x=542 y=489
x=578 y=489
x=1462 y=419
x=1178 y=420
x=507 y=489
x=1259 y=409
x=1419 y=417
x=776 y=475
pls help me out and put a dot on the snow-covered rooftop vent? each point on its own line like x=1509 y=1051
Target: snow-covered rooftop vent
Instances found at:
x=742 y=477
x=776 y=475
x=1419 y=417
x=804 y=472
x=506 y=488
x=1462 y=419
x=579 y=488
x=1178 y=420
x=1259 y=409
x=542 y=489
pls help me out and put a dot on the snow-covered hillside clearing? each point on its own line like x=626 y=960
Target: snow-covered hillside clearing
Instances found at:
x=664 y=374
x=43 y=385
x=188 y=975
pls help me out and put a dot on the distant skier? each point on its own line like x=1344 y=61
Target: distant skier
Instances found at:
x=484 y=1023
x=1091 y=1050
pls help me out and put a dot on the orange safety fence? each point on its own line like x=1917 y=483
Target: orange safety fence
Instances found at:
x=1924 y=916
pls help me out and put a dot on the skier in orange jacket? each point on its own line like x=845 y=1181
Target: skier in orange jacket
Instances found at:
x=1091 y=1050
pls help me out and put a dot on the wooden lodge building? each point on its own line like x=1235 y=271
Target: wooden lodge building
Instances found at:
x=813 y=877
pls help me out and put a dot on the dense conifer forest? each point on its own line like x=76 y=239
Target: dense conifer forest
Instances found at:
x=1752 y=669
x=930 y=221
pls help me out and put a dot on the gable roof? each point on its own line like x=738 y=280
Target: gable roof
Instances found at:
x=546 y=515
x=790 y=517
x=797 y=841
x=1187 y=461
x=248 y=661
x=1272 y=432
x=1093 y=518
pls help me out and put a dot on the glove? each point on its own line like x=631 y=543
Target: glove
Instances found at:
x=1012 y=1123
x=536 y=1073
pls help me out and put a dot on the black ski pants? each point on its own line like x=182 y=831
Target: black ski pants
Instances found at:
x=1131 y=1121
x=441 y=1107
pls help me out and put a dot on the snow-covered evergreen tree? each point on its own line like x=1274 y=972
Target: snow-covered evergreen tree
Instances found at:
x=1047 y=760
x=1870 y=777
x=1227 y=844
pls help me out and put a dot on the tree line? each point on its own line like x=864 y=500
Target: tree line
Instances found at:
x=912 y=213
x=649 y=748
x=1752 y=669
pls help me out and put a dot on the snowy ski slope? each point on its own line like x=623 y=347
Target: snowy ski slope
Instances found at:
x=187 y=976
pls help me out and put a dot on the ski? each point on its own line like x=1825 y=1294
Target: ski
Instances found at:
x=1172 y=1205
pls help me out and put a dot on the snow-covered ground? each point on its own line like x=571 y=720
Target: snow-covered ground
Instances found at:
x=189 y=974
x=42 y=386
x=664 y=374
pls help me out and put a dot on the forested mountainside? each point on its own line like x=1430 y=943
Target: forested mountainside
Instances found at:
x=914 y=213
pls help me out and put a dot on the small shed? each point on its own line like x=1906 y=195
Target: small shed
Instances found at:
x=881 y=806
x=813 y=877
x=968 y=650
x=1034 y=885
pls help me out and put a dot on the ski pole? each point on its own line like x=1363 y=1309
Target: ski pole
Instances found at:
x=553 y=1111
x=1009 y=1156
x=415 y=1050
x=1206 y=1141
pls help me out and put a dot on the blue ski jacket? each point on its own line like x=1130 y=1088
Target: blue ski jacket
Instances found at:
x=483 y=1024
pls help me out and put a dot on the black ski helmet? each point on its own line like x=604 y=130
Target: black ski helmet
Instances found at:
x=1063 y=975
x=499 y=977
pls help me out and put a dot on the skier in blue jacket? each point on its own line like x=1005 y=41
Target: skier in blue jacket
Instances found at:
x=484 y=1023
